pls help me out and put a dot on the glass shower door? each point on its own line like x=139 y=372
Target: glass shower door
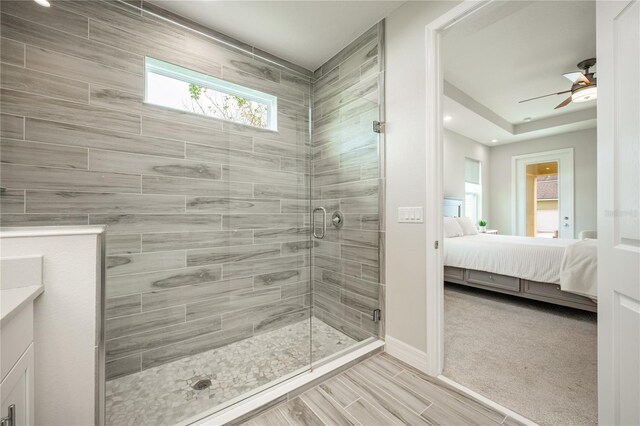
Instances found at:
x=348 y=183
x=208 y=288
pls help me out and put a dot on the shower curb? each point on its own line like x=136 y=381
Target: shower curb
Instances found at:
x=243 y=411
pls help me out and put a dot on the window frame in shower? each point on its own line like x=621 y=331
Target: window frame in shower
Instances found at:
x=181 y=74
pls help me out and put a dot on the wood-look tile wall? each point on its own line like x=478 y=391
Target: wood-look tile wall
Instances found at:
x=207 y=220
x=348 y=176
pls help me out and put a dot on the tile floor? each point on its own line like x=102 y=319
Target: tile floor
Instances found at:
x=381 y=391
x=164 y=395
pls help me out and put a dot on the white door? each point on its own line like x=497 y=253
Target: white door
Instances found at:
x=564 y=158
x=618 y=54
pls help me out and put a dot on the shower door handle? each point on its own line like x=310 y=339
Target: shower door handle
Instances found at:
x=324 y=222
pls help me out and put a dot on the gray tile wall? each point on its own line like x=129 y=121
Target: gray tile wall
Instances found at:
x=348 y=175
x=207 y=220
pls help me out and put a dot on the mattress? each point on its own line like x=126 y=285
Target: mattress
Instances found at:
x=579 y=271
x=535 y=259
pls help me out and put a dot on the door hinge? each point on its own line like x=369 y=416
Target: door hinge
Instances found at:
x=436 y=244
x=378 y=126
x=376 y=314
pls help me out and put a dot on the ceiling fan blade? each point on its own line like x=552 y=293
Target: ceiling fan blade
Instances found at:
x=544 y=96
x=576 y=77
x=564 y=103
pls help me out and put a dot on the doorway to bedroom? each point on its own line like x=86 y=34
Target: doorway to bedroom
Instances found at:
x=519 y=188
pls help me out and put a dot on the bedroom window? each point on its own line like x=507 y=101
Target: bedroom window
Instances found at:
x=183 y=89
x=472 y=189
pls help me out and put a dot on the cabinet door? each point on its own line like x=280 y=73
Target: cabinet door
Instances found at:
x=17 y=389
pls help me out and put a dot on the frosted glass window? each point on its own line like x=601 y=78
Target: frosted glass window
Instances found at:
x=472 y=189
x=175 y=87
x=472 y=171
x=471 y=207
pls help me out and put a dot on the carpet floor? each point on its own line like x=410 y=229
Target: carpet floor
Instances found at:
x=534 y=358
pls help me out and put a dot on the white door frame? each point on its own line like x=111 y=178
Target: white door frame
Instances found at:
x=566 y=190
x=613 y=405
x=434 y=186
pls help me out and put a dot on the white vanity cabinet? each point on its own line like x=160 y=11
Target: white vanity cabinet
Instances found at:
x=20 y=285
x=17 y=365
x=16 y=392
x=52 y=348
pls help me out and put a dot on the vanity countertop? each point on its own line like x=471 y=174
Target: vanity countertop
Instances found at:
x=13 y=300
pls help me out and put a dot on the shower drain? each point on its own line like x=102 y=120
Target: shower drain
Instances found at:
x=202 y=384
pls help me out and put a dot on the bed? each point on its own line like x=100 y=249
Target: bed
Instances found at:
x=533 y=268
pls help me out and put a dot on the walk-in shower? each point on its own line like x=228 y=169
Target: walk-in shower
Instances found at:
x=242 y=195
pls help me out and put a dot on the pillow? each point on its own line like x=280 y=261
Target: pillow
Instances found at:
x=467 y=226
x=451 y=228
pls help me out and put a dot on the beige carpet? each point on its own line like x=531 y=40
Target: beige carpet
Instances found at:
x=536 y=359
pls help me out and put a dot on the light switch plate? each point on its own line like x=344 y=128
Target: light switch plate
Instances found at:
x=410 y=215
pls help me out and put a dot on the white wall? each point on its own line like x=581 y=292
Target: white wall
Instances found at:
x=584 y=145
x=405 y=136
x=64 y=325
x=456 y=149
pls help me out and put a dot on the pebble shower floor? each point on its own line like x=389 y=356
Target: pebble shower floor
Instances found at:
x=164 y=395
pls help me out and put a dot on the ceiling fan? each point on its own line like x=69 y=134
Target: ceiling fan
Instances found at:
x=583 y=89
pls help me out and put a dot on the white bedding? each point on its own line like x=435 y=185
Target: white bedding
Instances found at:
x=535 y=259
x=578 y=272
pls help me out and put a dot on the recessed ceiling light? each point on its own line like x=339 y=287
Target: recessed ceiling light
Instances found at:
x=548 y=168
x=447 y=118
x=44 y=3
x=526 y=119
x=494 y=140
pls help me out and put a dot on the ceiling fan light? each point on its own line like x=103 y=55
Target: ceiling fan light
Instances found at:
x=44 y=3
x=585 y=94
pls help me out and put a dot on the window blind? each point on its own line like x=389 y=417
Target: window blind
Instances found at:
x=472 y=171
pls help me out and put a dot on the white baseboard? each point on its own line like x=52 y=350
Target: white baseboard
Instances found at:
x=406 y=353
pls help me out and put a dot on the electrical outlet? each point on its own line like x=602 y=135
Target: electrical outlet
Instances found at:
x=410 y=215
